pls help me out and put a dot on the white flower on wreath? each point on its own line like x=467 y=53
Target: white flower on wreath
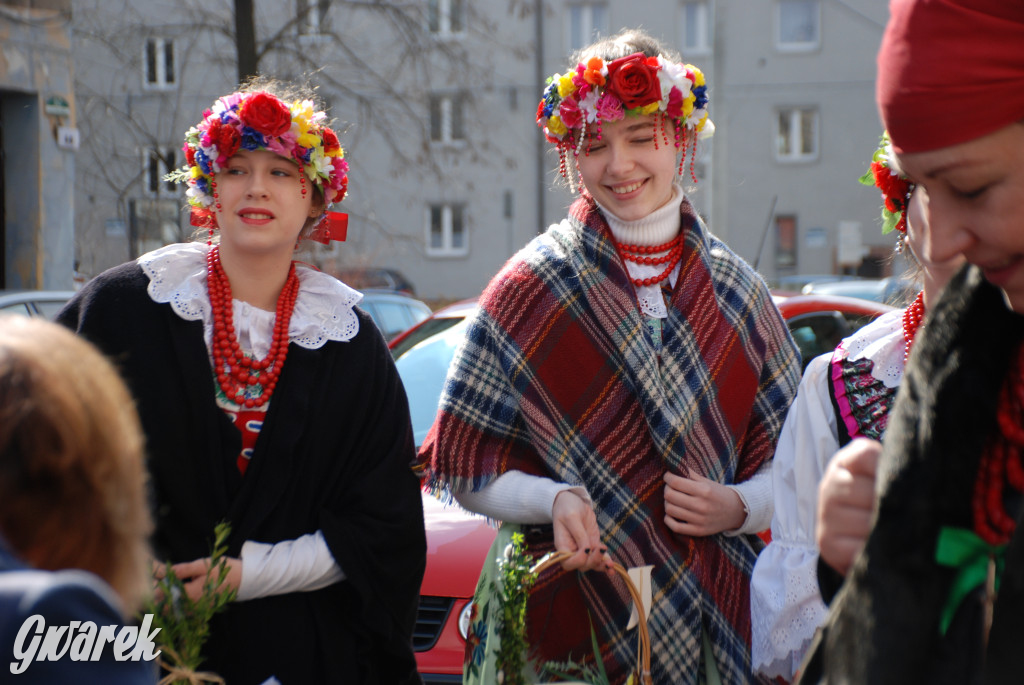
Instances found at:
x=588 y=105
x=672 y=75
x=321 y=166
x=194 y=192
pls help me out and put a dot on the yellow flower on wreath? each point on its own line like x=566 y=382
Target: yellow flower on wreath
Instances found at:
x=566 y=86
x=556 y=126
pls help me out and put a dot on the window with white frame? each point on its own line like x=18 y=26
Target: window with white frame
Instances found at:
x=156 y=163
x=446 y=17
x=695 y=27
x=158 y=65
x=587 y=22
x=446 y=230
x=447 y=123
x=312 y=16
x=799 y=25
x=797 y=135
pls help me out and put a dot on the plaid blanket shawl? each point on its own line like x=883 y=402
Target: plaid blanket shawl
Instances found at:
x=558 y=377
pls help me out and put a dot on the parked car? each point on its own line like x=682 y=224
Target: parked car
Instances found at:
x=794 y=284
x=458 y=541
x=377 y=278
x=443 y=318
x=393 y=312
x=817 y=321
x=45 y=303
x=892 y=290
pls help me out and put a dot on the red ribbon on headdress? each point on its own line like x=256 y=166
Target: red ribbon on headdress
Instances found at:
x=950 y=71
x=334 y=226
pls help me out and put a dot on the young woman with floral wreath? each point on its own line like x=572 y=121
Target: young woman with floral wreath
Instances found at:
x=937 y=595
x=622 y=388
x=269 y=400
x=843 y=395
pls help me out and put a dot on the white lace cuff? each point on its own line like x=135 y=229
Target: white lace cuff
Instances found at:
x=785 y=607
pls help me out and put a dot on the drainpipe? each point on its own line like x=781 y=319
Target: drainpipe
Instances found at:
x=541 y=143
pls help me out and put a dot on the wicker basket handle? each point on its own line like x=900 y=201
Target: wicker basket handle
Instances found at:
x=553 y=558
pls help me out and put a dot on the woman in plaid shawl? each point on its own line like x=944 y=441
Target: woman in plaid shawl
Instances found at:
x=622 y=388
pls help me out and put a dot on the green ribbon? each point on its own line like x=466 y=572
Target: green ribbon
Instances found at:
x=963 y=550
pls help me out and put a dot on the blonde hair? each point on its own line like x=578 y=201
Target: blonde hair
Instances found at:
x=72 y=478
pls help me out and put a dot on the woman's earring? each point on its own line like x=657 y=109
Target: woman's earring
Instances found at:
x=901 y=243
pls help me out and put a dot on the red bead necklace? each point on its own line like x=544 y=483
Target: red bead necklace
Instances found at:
x=1001 y=462
x=912 y=317
x=639 y=254
x=238 y=374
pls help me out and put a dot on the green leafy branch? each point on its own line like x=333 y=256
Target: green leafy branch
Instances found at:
x=570 y=670
x=516 y=581
x=185 y=623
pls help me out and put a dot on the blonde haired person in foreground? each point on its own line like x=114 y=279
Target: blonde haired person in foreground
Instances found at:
x=73 y=515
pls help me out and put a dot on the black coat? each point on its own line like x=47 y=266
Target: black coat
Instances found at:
x=334 y=454
x=884 y=623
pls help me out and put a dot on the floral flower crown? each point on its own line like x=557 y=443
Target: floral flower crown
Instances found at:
x=896 y=188
x=635 y=85
x=261 y=121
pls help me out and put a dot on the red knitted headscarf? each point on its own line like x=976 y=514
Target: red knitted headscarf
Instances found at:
x=950 y=71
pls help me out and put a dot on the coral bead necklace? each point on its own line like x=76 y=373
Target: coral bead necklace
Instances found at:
x=912 y=317
x=1001 y=462
x=641 y=254
x=237 y=374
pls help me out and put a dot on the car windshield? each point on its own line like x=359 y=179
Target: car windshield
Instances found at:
x=427 y=329
x=423 y=369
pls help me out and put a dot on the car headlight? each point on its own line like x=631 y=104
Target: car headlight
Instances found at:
x=464 y=615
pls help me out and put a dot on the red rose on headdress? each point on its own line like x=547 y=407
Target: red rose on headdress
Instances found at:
x=894 y=188
x=570 y=113
x=190 y=155
x=266 y=114
x=634 y=80
x=330 y=141
x=226 y=138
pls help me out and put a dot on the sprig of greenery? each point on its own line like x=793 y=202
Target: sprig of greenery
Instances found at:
x=570 y=670
x=177 y=176
x=516 y=581
x=185 y=623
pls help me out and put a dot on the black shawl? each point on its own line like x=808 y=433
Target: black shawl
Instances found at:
x=883 y=627
x=333 y=455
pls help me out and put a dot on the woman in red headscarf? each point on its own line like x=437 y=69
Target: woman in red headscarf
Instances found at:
x=937 y=596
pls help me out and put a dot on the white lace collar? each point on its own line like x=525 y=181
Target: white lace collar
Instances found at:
x=323 y=309
x=882 y=342
x=660 y=226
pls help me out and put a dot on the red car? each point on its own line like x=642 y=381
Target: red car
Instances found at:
x=457 y=542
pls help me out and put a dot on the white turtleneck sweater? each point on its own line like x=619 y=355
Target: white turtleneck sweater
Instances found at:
x=522 y=498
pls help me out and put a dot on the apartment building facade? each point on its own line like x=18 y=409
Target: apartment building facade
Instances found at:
x=435 y=102
x=38 y=142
